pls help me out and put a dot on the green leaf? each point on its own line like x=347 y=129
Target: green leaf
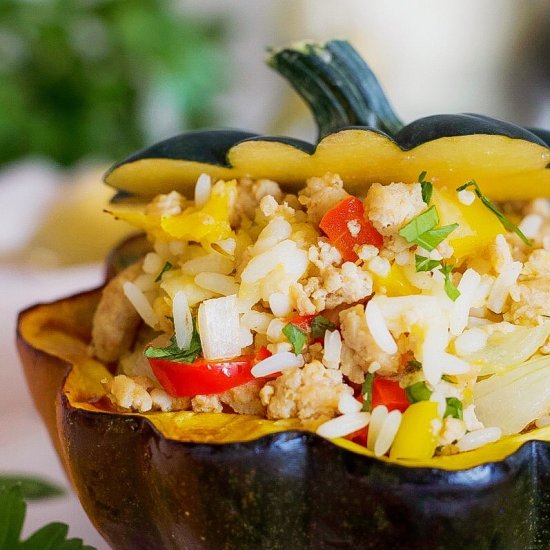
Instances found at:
x=32 y=488
x=366 y=392
x=174 y=353
x=425 y=264
x=420 y=224
x=166 y=267
x=12 y=514
x=427 y=187
x=507 y=224
x=418 y=391
x=296 y=337
x=454 y=408
x=319 y=325
x=422 y=231
x=450 y=289
x=53 y=536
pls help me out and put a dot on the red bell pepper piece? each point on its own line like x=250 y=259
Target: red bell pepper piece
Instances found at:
x=389 y=393
x=345 y=226
x=204 y=377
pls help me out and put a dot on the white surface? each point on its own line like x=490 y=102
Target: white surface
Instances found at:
x=24 y=444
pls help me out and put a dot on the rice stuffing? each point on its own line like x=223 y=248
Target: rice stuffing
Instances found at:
x=374 y=326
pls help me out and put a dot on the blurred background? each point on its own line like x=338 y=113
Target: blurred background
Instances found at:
x=85 y=82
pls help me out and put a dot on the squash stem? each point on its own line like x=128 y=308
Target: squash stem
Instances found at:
x=337 y=85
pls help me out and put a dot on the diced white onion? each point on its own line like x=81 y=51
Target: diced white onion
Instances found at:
x=470 y=341
x=140 y=303
x=219 y=328
x=344 y=425
x=378 y=328
x=466 y=197
x=474 y=440
x=203 y=188
x=277 y=363
x=183 y=321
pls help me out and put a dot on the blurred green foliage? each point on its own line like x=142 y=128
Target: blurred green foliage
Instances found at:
x=102 y=77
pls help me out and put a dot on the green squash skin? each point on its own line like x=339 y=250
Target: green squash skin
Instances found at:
x=293 y=490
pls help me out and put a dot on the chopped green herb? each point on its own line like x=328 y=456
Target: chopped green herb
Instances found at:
x=166 y=267
x=422 y=231
x=508 y=225
x=425 y=264
x=319 y=325
x=413 y=365
x=173 y=352
x=450 y=289
x=420 y=224
x=32 y=488
x=12 y=516
x=454 y=408
x=296 y=337
x=418 y=391
x=366 y=392
x=427 y=187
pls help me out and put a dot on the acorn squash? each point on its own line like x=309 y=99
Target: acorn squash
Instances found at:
x=184 y=480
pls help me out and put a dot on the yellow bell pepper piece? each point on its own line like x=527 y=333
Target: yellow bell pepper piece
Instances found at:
x=416 y=438
x=478 y=226
x=207 y=224
x=394 y=283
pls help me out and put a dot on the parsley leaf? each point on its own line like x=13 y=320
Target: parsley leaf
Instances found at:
x=366 y=392
x=425 y=264
x=427 y=187
x=418 y=391
x=166 y=267
x=12 y=515
x=507 y=224
x=421 y=230
x=32 y=488
x=296 y=337
x=319 y=325
x=450 y=289
x=454 y=408
x=173 y=352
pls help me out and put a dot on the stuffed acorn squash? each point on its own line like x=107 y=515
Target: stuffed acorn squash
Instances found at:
x=343 y=345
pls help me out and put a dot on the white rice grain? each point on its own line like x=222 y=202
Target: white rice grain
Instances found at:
x=332 y=349
x=501 y=287
x=344 y=425
x=280 y=304
x=474 y=440
x=378 y=328
x=277 y=363
x=203 y=188
x=152 y=263
x=348 y=404
x=530 y=225
x=183 y=321
x=378 y=416
x=285 y=252
x=257 y=321
x=218 y=283
x=387 y=433
x=274 y=232
x=214 y=263
x=466 y=197
x=461 y=307
x=227 y=246
x=140 y=303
